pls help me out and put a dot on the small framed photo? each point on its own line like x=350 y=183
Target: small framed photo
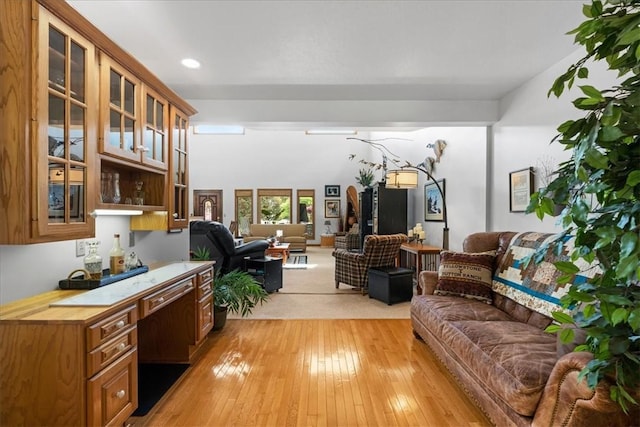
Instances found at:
x=332 y=208
x=434 y=201
x=331 y=191
x=520 y=189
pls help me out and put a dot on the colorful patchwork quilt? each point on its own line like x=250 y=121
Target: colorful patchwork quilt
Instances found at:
x=532 y=284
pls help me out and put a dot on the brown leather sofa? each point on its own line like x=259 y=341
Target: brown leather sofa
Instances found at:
x=294 y=234
x=501 y=357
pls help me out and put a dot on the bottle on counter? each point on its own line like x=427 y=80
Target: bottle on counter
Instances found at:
x=116 y=256
x=93 y=261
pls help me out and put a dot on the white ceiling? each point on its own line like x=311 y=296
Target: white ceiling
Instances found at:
x=341 y=62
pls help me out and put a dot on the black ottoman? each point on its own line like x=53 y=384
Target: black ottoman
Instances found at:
x=391 y=284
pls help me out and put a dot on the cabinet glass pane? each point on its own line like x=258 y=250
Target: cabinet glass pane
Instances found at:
x=148 y=142
x=76 y=133
x=150 y=120
x=129 y=137
x=57 y=194
x=115 y=136
x=182 y=168
x=56 y=126
x=159 y=143
x=129 y=94
x=176 y=167
x=178 y=208
x=57 y=56
x=77 y=71
x=115 y=96
x=77 y=196
x=159 y=116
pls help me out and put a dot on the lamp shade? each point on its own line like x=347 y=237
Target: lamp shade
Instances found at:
x=402 y=178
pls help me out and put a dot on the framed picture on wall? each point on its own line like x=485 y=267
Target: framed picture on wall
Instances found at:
x=434 y=201
x=520 y=189
x=331 y=191
x=332 y=208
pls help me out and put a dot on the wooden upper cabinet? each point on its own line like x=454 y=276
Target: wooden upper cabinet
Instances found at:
x=49 y=127
x=178 y=172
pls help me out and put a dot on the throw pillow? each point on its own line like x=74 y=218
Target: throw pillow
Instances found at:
x=466 y=275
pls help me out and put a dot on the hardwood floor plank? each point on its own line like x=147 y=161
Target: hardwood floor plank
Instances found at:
x=315 y=373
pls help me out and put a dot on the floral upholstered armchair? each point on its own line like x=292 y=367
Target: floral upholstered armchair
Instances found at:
x=352 y=268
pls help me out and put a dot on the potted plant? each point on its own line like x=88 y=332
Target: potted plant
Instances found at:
x=600 y=186
x=365 y=177
x=235 y=292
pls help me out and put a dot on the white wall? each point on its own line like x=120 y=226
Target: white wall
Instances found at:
x=274 y=159
x=27 y=270
x=522 y=138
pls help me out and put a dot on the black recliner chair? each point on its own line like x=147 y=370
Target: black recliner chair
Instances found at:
x=219 y=240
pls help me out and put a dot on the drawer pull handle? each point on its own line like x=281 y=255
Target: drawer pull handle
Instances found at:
x=160 y=300
x=120 y=324
x=121 y=346
x=120 y=394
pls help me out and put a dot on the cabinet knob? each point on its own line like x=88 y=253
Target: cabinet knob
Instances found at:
x=120 y=394
x=161 y=300
x=120 y=324
x=121 y=346
x=142 y=148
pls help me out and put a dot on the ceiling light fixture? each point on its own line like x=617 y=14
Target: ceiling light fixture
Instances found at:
x=218 y=130
x=331 y=132
x=190 y=63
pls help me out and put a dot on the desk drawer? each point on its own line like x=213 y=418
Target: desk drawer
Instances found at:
x=111 y=350
x=205 y=276
x=156 y=301
x=113 y=393
x=105 y=329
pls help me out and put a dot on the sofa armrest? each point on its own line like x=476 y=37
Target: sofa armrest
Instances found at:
x=567 y=402
x=428 y=281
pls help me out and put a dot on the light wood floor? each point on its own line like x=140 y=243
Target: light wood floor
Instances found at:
x=315 y=373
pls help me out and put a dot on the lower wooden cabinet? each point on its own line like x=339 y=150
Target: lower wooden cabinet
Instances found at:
x=112 y=395
x=78 y=365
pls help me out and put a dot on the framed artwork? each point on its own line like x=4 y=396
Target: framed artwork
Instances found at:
x=331 y=191
x=434 y=201
x=332 y=208
x=520 y=189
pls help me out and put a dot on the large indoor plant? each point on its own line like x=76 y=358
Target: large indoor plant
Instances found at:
x=236 y=292
x=600 y=187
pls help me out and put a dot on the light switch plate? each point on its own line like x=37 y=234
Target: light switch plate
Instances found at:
x=80 y=248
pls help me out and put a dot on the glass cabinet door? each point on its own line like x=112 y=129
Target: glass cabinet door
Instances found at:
x=120 y=111
x=179 y=174
x=154 y=138
x=64 y=137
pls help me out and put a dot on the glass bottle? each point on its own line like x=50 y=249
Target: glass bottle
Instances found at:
x=116 y=187
x=93 y=261
x=105 y=187
x=116 y=256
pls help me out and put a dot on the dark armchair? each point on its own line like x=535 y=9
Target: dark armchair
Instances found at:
x=378 y=251
x=219 y=240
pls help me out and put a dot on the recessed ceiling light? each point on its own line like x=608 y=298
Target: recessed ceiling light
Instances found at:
x=190 y=63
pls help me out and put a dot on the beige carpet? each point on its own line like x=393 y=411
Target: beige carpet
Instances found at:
x=311 y=294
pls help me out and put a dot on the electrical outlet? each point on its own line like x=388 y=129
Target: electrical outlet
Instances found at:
x=80 y=248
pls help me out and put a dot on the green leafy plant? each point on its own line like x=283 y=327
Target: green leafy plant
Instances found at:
x=600 y=186
x=238 y=292
x=201 y=254
x=365 y=177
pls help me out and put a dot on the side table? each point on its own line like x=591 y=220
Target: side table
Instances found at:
x=327 y=240
x=419 y=257
x=267 y=271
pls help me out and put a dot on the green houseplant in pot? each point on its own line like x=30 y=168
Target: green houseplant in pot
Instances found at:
x=600 y=187
x=235 y=292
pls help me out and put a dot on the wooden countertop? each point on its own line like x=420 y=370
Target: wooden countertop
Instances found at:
x=38 y=308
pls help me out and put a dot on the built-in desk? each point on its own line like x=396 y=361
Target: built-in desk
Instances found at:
x=71 y=357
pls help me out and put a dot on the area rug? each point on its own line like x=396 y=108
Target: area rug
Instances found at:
x=298 y=262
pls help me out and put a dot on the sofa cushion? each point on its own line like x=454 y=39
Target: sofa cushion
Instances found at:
x=535 y=285
x=512 y=358
x=466 y=275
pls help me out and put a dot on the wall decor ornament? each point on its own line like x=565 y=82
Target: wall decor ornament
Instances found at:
x=332 y=208
x=434 y=201
x=520 y=189
x=331 y=191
